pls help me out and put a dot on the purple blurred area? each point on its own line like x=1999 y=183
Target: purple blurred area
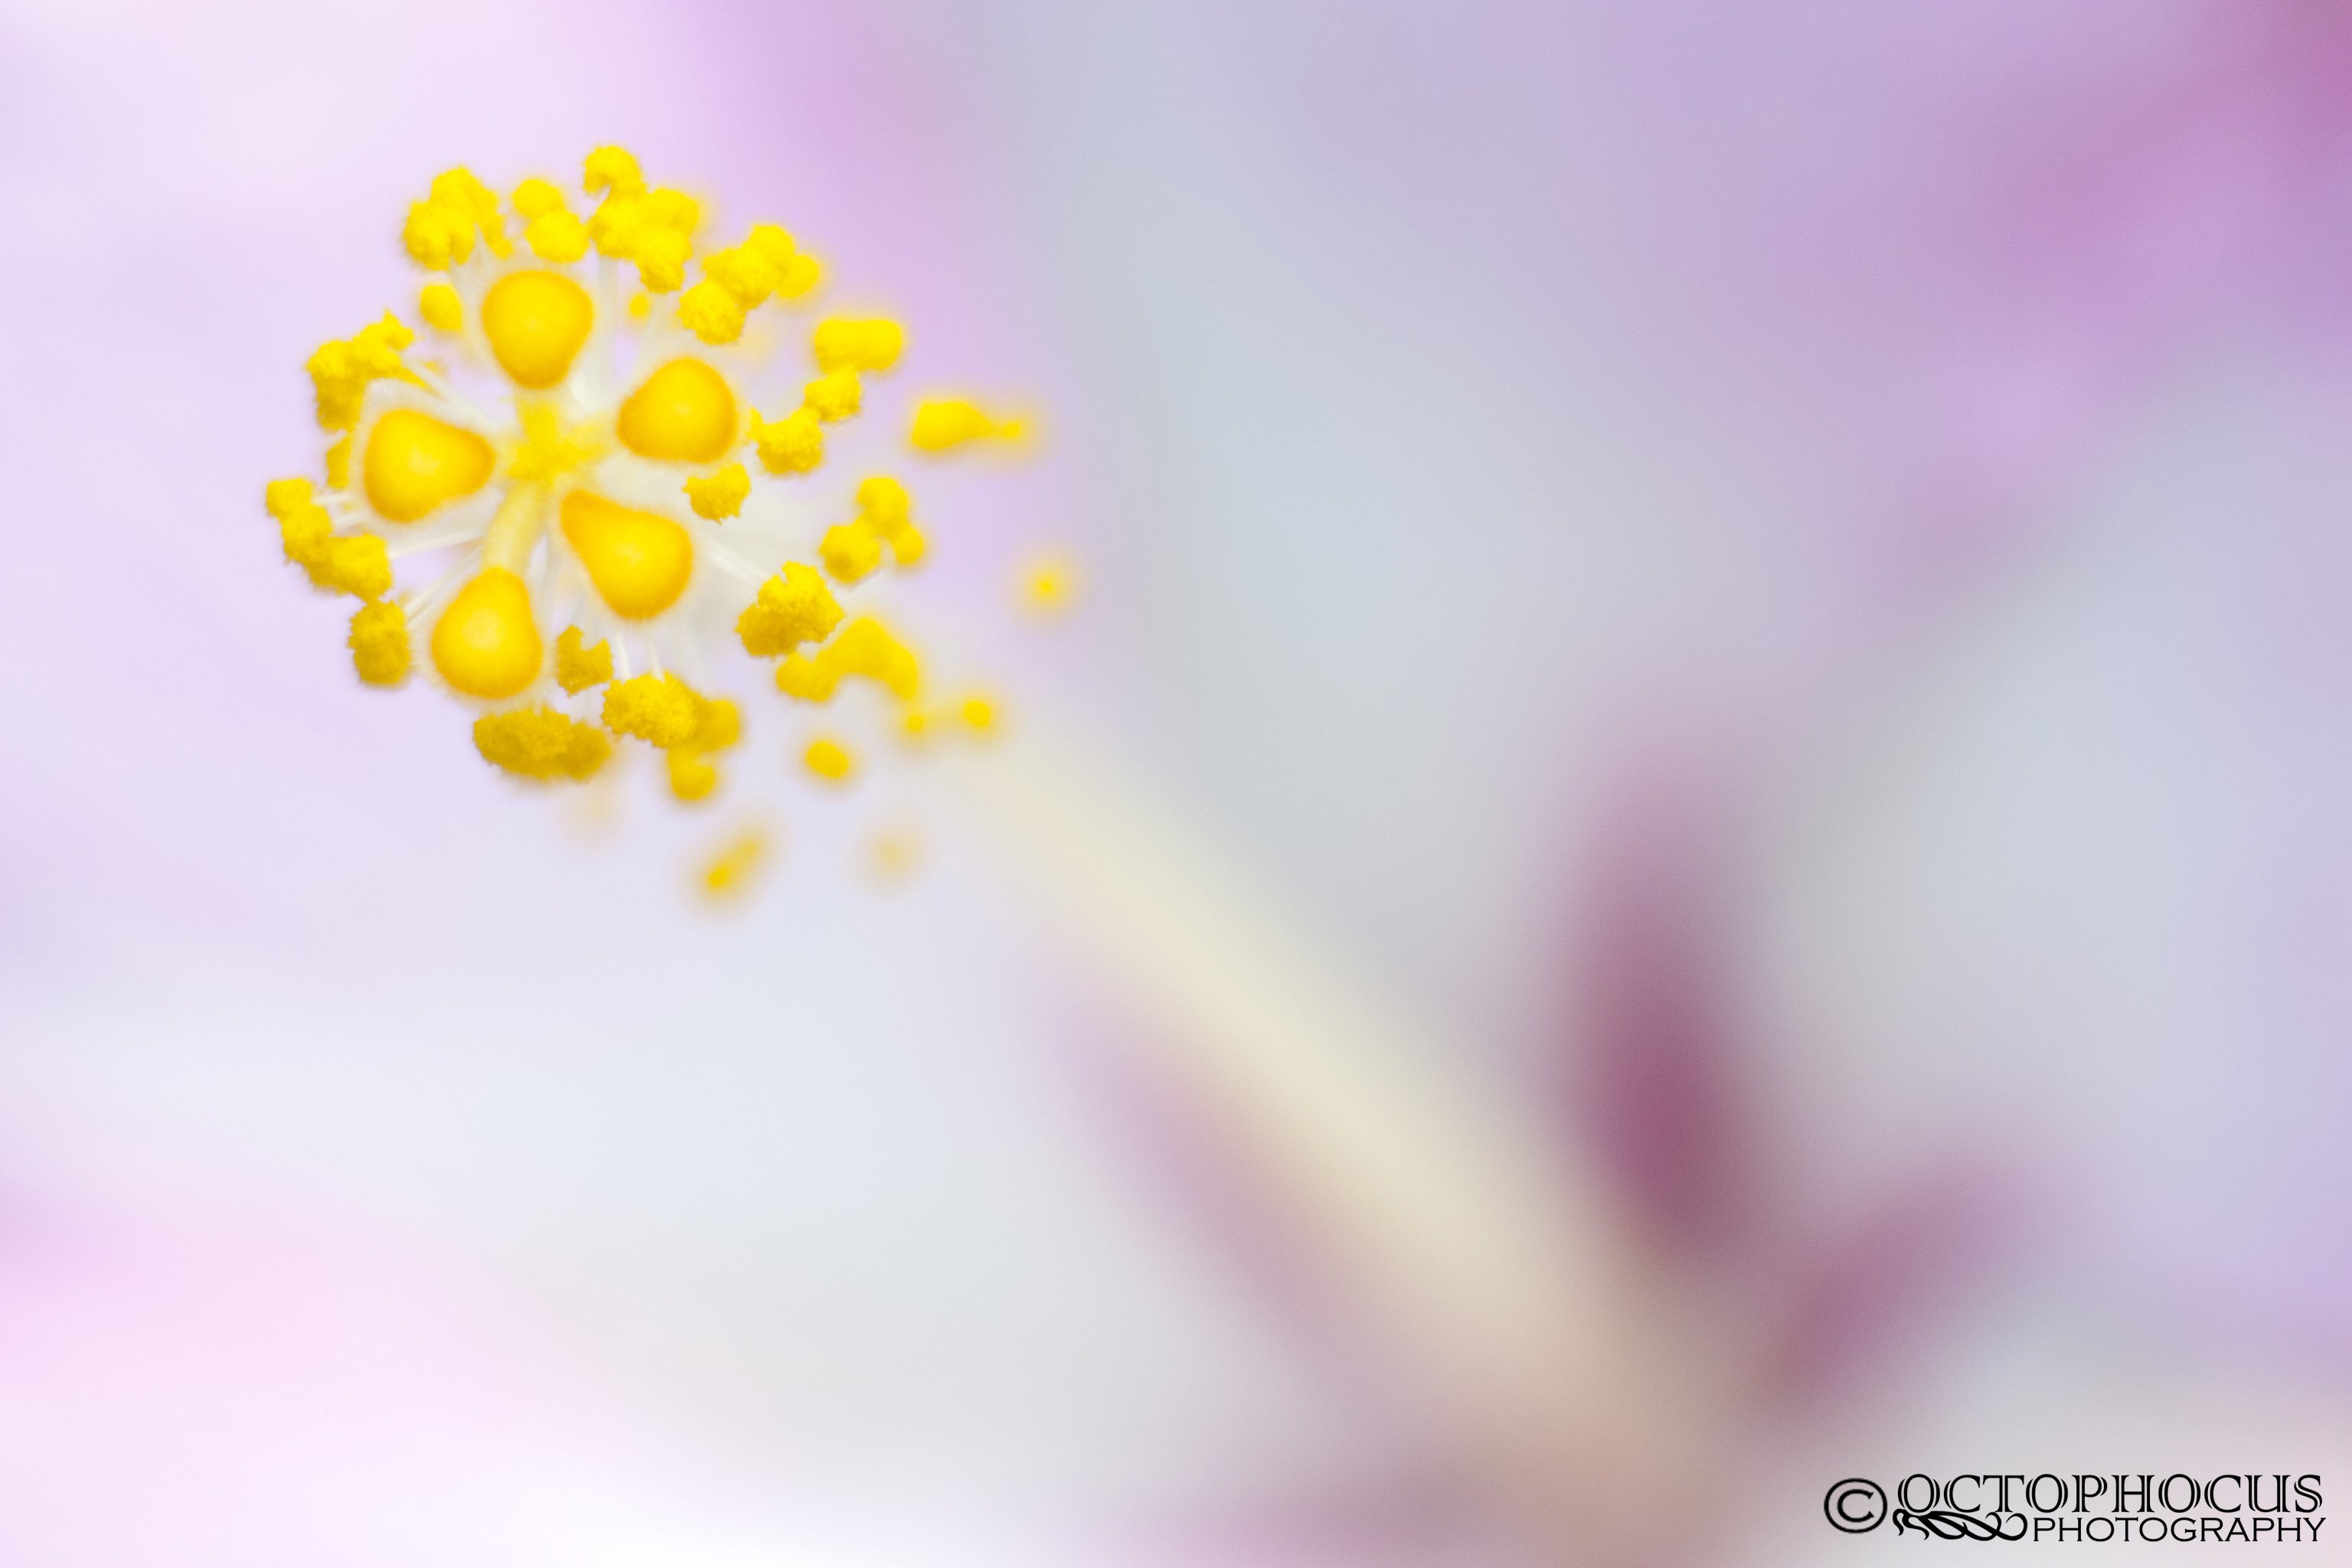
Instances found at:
x=1769 y=580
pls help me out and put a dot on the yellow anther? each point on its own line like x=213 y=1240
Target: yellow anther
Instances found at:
x=281 y=497
x=661 y=709
x=801 y=276
x=834 y=397
x=792 y=444
x=557 y=236
x=683 y=412
x=641 y=305
x=718 y=495
x=578 y=667
x=794 y=607
x=661 y=255
x=541 y=744
x=486 y=642
x=1048 y=585
x=338 y=464
x=612 y=169
x=674 y=210
x=457 y=191
x=851 y=550
x=340 y=372
x=734 y=867
x=718 y=725
x=617 y=226
x=304 y=529
x=436 y=236
x=417 y=464
x=378 y=643
x=356 y=564
x=441 y=307
x=548 y=449
x=885 y=501
x=749 y=273
x=639 y=561
x=873 y=345
x=908 y=546
x=979 y=714
x=807 y=679
x=459 y=188
x=535 y=198
x=691 y=776
x=829 y=761
x=943 y=424
x=711 y=314
x=771 y=242
x=864 y=648
x=537 y=322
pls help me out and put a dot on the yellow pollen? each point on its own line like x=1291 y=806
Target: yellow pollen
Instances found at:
x=340 y=372
x=661 y=255
x=378 y=643
x=731 y=871
x=541 y=744
x=711 y=314
x=979 y=714
x=873 y=345
x=718 y=724
x=641 y=305
x=639 y=561
x=864 y=647
x=612 y=169
x=721 y=494
x=829 y=761
x=832 y=397
x=683 y=412
x=578 y=667
x=803 y=273
x=853 y=550
x=354 y=563
x=748 y=273
x=557 y=236
x=416 y=463
x=850 y=550
x=794 y=607
x=535 y=198
x=944 y=424
x=487 y=643
x=1049 y=586
x=691 y=776
x=437 y=238
x=441 y=307
x=792 y=444
x=661 y=709
x=537 y=322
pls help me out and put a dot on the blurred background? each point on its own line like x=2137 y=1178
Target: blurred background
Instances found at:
x=1696 y=835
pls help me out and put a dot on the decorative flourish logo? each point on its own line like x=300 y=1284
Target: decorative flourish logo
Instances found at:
x=1946 y=1525
x=1857 y=1506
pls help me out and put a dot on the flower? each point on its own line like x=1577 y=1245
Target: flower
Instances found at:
x=563 y=457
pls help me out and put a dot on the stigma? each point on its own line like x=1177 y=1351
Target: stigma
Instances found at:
x=620 y=466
